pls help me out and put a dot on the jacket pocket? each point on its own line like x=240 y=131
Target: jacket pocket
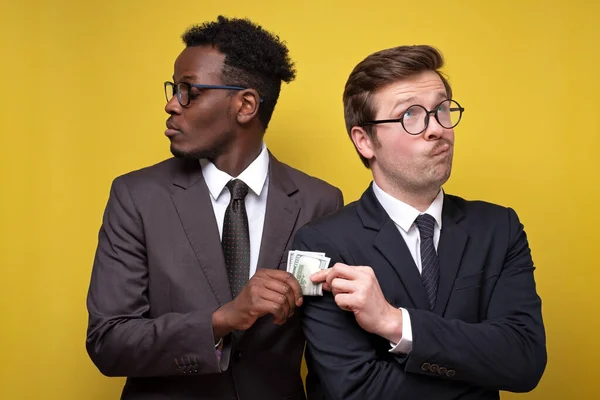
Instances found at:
x=471 y=281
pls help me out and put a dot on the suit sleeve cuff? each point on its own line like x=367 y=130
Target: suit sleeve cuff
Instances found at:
x=404 y=346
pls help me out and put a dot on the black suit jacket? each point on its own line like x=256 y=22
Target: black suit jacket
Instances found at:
x=485 y=334
x=159 y=274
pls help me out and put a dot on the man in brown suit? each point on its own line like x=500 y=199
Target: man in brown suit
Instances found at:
x=189 y=297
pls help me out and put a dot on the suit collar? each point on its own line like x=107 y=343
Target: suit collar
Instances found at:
x=403 y=214
x=254 y=175
x=281 y=180
x=187 y=173
x=373 y=215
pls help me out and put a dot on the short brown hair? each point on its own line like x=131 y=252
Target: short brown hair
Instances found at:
x=379 y=70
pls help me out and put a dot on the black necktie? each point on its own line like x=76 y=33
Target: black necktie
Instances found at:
x=236 y=238
x=429 y=260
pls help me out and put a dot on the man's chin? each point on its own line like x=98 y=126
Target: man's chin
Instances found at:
x=444 y=176
x=188 y=154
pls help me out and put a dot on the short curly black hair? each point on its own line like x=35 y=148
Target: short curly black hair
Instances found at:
x=254 y=58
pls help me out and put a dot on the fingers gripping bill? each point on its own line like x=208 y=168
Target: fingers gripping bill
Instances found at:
x=302 y=264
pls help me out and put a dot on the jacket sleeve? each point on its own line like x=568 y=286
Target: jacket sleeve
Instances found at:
x=121 y=339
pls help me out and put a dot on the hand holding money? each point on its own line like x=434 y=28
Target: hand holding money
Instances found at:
x=302 y=264
x=269 y=291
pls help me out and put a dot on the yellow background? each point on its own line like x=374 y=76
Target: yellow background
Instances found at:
x=82 y=102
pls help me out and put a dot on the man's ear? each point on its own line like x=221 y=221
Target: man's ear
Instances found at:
x=364 y=143
x=247 y=105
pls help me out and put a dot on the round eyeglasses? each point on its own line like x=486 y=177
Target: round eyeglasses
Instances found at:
x=415 y=119
x=182 y=90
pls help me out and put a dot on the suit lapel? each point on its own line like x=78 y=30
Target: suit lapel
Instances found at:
x=391 y=245
x=280 y=217
x=192 y=201
x=453 y=240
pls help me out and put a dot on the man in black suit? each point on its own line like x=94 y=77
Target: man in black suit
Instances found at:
x=431 y=296
x=189 y=295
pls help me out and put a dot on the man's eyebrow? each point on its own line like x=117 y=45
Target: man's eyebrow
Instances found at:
x=442 y=95
x=403 y=101
x=412 y=99
x=186 y=78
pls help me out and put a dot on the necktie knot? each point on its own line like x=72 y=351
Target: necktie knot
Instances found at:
x=425 y=223
x=238 y=189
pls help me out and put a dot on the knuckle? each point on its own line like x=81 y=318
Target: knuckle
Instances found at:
x=277 y=308
x=360 y=300
x=252 y=290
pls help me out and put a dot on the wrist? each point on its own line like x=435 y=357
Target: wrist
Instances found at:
x=220 y=323
x=391 y=325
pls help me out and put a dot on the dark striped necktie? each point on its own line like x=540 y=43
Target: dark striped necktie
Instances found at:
x=429 y=260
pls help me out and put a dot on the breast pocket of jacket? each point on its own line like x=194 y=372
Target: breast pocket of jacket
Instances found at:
x=469 y=296
x=472 y=281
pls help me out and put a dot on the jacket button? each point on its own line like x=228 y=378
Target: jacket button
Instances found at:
x=450 y=373
x=442 y=370
x=425 y=367
x=434 y=368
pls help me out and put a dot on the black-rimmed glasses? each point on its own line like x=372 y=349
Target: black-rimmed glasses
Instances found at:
x=415 y=119
x=182 y=90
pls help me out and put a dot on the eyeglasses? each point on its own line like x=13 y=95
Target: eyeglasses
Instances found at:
x=416 y=117
x=182 y=90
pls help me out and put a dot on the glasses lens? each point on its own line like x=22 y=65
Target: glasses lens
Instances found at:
x=413 y=119
x=168 y=91
x=183 y=93
x=449 y=114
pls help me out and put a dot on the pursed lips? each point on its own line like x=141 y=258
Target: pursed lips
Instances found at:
x=172 y=129
x=440 y=150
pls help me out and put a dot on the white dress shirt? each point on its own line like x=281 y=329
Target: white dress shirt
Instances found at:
x=256 y=176
x=404 y=217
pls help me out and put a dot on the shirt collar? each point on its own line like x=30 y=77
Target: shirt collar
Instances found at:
x=254 y=175
x=403 y=214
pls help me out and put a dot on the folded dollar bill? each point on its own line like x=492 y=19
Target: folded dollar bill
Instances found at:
x=302 y=264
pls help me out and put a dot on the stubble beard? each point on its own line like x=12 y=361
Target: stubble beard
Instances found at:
x=419 y=181
x=211 y=153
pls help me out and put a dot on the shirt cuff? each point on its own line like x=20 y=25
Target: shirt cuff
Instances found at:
x=219 y=349
x=404 y=346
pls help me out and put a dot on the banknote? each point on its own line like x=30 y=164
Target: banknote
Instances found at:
x=302 y=264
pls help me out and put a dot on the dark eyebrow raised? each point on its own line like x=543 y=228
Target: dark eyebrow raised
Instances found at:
x=186 y=78
x=443 y=95
x=404 y=101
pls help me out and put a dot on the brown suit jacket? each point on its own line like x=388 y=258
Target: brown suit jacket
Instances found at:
x=159 y=274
